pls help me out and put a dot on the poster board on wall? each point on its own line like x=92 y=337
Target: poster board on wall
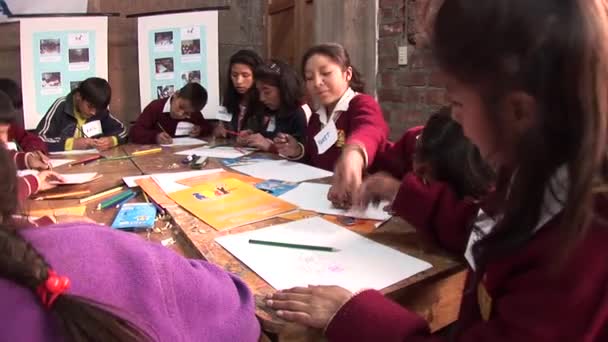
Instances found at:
x=175 y=49
x=56 y=54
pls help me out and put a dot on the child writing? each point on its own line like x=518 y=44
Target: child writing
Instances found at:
x=12 y=132
x=434 y=177
x=538 y=268
x=281 y=93
x=48 y=293
x=241 y=97
x=178 y=115
x=346 y=130
x=81 y=120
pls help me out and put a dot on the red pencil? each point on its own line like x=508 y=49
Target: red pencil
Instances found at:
x=232 y=133
x=86 y=160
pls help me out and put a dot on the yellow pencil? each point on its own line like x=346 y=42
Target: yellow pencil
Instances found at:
x=101 y=194
x=145 y=197
x=139 y=153
x=63 y=195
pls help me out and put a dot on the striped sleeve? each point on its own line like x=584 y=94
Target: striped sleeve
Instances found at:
x=50 y=127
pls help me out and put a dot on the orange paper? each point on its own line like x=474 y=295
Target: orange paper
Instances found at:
x=229 y=203
x=74 y=211
x=218 y=176
x=154 y=191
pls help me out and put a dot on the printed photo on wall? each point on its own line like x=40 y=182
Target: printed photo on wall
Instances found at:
x=191 y=47
x=74 y=85
x=78 y=39
x=162 y=92
x=79 y=59
x=163 y=41
x=164 y=68
x=193 y=76
x=50 y=50
x=51 y=83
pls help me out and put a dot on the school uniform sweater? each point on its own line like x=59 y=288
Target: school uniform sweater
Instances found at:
x=293 y=123
x=28 y=142
x=433 y=207
x=60 y=125
x=358 y=119
x=169 y=297
x=156 y=113
x=521 y=297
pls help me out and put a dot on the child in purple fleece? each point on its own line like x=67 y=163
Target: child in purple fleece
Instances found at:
x=121 y=288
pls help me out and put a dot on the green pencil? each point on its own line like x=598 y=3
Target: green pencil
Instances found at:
x=293 y=245
x=116 y=158
x=112 y=201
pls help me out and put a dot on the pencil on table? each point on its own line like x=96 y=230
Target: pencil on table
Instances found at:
x=63 y=195
x=140 y=153
x=293 y=245
x=100 y=195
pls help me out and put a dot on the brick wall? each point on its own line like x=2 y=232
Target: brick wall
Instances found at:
x=408 y=94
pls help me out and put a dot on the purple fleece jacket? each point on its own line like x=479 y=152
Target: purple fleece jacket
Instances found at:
x=168 y=296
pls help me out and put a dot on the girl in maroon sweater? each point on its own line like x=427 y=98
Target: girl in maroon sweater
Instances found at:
x=346 y=130
x=533 y=100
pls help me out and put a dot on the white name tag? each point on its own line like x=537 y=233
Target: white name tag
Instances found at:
x=92 y=129
x=11 y=146
x=183 y=128
x=223 y=115
x=327 y=137
x=272 y=124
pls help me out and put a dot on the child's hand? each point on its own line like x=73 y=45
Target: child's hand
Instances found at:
x=220 y=130
x=196 y=131
x=83 y=143
x=243 y=138
x=163 y=138
x=259 y=141
x=378 y=187
x=347 y=178
x=287 y=145
x=38 y=161
x=45 y=177
x=104 y=143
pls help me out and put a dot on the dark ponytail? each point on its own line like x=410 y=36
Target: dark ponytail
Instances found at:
x=80 y=319
x=339 y=55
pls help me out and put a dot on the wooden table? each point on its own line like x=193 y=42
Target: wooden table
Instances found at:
x=435 y=294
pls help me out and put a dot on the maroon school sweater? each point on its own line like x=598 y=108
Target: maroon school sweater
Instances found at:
x=28 y=142
x=145 y=129
x=530 y=301
x=361 y=123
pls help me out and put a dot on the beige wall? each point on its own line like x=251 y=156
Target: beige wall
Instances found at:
x=240 y=27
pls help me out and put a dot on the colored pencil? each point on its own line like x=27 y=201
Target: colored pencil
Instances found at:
x=85 y=160
x=115 y=158
x=82 y=132
x=153 y=150
x=63 y=195
x=126 y=199
x=112 y=201
x=161 y=127
x=101 y=194
x=293 y=245
x=232 y=133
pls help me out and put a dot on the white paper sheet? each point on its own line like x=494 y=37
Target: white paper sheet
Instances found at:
x=216 y=152
x=313 y=196
x=59 y=162
x=130 y=181
x=185 y=141
x=77 y=178
x=358 y=264
x=284 y=170
x=76 y=152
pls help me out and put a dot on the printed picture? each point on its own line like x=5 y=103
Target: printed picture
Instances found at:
x=164 y=65
x=193 y=76
x=162 y=92
x=191 y=47
x=78 y=55
x=50 y=47
x=51 y=80
x=163 y=40
x=74 y=85
x=78 y=39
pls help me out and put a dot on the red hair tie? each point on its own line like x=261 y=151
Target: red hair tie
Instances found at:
x=52 y=288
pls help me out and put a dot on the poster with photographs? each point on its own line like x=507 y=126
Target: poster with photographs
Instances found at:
x=64 y=58
x=177 y=49
x=56 y=55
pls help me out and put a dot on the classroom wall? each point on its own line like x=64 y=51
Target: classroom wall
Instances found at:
x=408 y=94
x=240 y=27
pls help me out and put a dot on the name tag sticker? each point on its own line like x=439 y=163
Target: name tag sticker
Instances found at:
x=327 y=137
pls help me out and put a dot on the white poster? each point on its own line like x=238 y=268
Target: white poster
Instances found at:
x=57 y=53
x=175 y=49
x=40 y=7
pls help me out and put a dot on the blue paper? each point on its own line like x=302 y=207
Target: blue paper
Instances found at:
x=275 y=187
x=135 y=215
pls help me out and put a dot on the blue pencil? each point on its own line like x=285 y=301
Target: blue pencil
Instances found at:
x=125 y=200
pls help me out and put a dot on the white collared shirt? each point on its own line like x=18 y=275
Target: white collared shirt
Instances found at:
x=167 y=107
x=340 y=107
x=553 y=203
